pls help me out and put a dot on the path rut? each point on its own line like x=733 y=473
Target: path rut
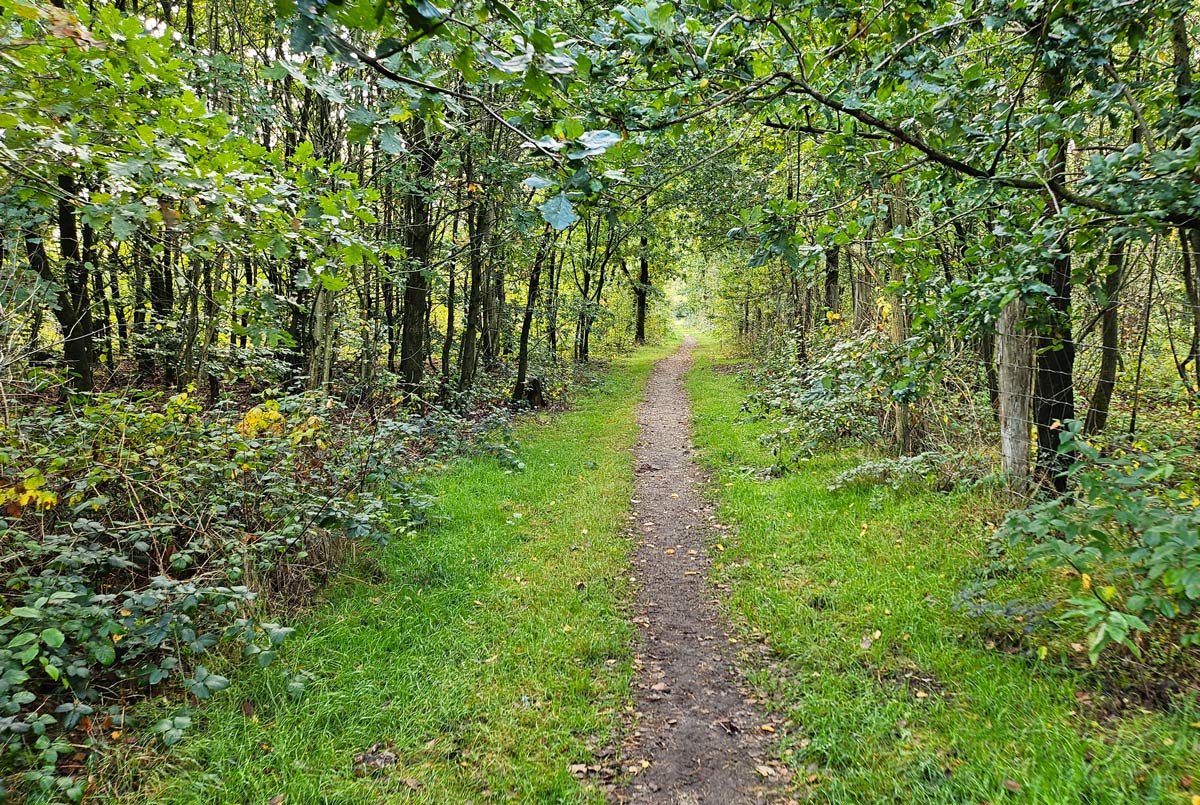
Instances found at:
x=696 y=727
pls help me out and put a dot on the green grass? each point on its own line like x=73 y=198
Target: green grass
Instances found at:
x=815 y=571
x=495 y=653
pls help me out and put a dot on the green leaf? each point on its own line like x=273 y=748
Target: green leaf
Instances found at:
x=23 y=639
x=559 y=212
x=26 y=612
x=104 y=653
x=391 y=141
x=332 y=282
x=53 y=637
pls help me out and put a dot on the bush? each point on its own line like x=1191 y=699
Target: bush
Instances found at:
x=935 y=470
x=1130 y=532
x=138 y=535
x=837 y=399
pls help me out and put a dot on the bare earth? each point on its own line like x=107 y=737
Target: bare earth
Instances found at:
x=703 y=739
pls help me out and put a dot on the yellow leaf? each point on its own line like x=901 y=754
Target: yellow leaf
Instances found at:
x=1087 y=581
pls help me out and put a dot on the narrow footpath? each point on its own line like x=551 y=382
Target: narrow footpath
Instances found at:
x=697 y=730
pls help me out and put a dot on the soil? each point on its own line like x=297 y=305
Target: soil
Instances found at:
x=699 y=736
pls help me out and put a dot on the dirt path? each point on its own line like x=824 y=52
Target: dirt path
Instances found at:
x=702 y=738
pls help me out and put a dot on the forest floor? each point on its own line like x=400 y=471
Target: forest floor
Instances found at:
x=697 y=727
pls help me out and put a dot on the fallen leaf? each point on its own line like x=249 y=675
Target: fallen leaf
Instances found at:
x=669 y=551
x=276 y=800
x=765 y=771
x=1012 y=785
x=767 y=728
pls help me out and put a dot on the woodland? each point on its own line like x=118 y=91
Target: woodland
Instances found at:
x=270 y=269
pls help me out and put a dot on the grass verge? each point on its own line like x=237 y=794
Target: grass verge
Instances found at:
x=892 y=695
x=494 y=652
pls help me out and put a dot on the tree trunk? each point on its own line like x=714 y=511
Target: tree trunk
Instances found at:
x=1054 y=383
x=527 y=321
x=448 y=341
x=640 y=291
x=479 y=224
x=419 y=237
x=76 y=318
x=898 y=324
x=1110 y=343
x=1014 y=356
x=833 y=293
x=552 y=305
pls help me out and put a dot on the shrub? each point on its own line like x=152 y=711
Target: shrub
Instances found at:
x=138 y=534
x=932 y=469
x=1131 y=533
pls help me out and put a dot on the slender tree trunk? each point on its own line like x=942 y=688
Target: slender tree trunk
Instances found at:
x=114 y=293
x=76 y=318
x=640 y=292
x=833 y=292
x=535 y=275
x=448 y=341
x=552 y=305
x=1110 y=343
x=898 y=324
x=479 y=224
x=103 y=331
x=987 y=357
x=1189 y=241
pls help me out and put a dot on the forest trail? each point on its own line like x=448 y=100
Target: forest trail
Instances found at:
x=702 y=736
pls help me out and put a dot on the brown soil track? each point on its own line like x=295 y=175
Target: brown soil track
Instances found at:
x=695 y=725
